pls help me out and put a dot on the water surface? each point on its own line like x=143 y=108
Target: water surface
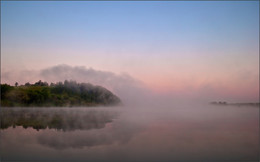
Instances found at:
x=163 y=133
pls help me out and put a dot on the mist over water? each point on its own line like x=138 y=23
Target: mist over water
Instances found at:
x=130 y=90
x=123 y=85
x=187 y=74
x=148 y=127
x=164 y=133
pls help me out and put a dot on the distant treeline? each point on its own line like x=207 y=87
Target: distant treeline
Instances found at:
x=67 y=93
x=255 y=104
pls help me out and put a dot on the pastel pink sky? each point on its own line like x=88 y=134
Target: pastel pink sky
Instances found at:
x=171 y=47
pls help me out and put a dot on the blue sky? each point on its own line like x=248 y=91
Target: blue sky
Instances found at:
x=156 y=42
x=141 y=22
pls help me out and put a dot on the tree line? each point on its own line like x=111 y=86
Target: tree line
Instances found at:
x=67 y=93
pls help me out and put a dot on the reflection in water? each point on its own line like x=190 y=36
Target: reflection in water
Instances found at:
x=60 y=119
x=171 y=134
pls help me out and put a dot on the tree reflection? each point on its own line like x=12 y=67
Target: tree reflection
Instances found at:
x=60 y=119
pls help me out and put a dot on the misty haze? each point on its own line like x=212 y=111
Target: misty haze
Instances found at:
x=129 y=81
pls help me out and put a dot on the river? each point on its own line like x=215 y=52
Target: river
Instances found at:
x=199 y=132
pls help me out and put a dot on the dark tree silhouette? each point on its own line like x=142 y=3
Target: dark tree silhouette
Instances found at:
x=69 y=93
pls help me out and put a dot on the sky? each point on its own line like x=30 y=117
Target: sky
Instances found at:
x=171 y=46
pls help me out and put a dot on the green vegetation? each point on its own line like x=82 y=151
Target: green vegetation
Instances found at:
x=69 y=93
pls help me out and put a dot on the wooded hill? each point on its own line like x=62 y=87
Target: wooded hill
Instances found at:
x=67 y=93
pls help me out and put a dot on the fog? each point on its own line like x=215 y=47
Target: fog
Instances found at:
x=124 y=86
x=131 y=91
x=204 y=132
x=128 y=89
x=149 y=126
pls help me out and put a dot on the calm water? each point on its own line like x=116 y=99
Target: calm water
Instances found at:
x=175 y=133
